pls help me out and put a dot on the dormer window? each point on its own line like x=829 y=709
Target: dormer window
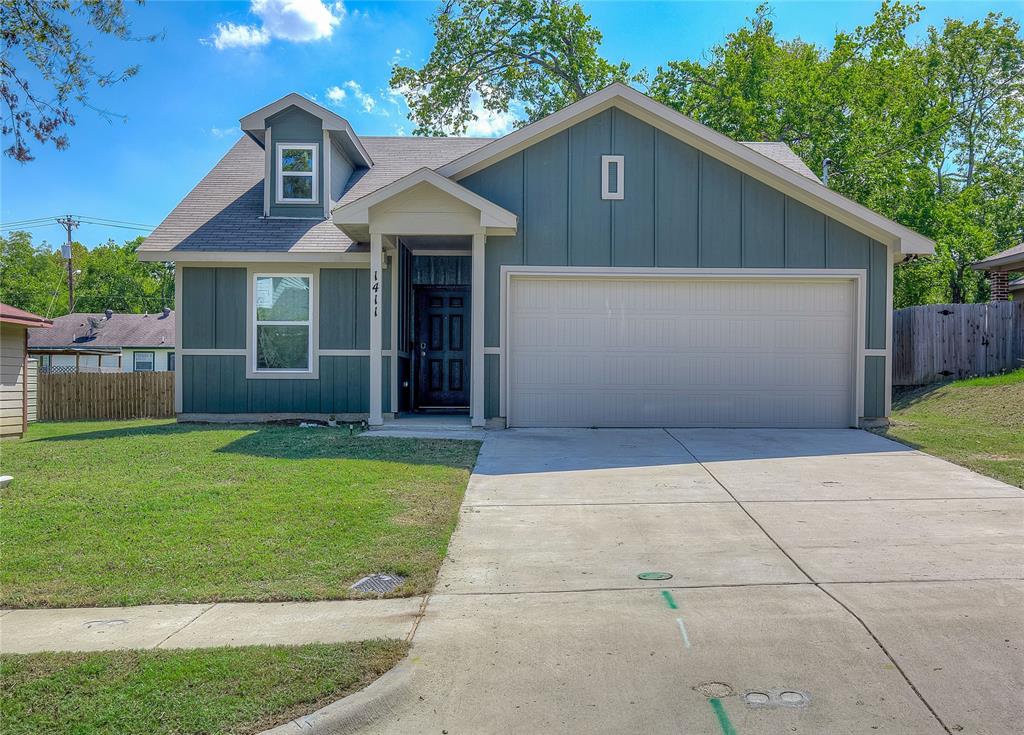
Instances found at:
x=297 y=180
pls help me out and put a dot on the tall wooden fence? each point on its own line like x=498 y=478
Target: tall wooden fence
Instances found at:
x=105 y=396
x=940 y=342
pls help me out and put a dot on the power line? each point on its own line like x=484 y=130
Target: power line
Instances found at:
x=30 y=224
x=112 y=221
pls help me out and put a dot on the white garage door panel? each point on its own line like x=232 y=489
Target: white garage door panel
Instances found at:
x=592 y=351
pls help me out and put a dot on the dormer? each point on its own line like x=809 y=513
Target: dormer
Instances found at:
x=310 y=154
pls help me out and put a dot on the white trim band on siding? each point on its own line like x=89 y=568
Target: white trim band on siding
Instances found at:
x=215 y=351
x=210 y=352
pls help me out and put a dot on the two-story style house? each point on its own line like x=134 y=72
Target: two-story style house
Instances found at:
x=613 y=264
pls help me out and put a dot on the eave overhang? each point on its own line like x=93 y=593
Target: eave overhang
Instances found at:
x=255 y=125
x=354 y=218
x=901 y=240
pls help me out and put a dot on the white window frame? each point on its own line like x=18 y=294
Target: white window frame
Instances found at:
x=620 y=177
x=279 y=149
x=172 y=362
x=135 y=361
x=311 y=354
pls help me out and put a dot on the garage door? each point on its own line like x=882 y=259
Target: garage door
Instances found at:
x=619 y=351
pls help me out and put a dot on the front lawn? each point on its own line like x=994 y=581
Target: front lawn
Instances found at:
x=213 y=690
x=127 y=513
x=977 y=423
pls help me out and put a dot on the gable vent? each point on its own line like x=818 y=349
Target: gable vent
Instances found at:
x=612 y=177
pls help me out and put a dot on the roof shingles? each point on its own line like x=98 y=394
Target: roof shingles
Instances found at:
x=74 y=331
x=223 y=213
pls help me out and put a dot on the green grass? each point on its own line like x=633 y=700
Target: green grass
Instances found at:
x=977 y=423
x=127 y=513
x=213 y=690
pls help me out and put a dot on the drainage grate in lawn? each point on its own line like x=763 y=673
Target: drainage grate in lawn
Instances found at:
x=379 y=583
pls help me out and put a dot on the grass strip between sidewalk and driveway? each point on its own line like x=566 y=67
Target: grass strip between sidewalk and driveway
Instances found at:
x=977 y=423
x=213 y=690
x=130 y=513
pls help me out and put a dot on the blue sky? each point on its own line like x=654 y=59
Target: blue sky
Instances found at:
x=220 y=60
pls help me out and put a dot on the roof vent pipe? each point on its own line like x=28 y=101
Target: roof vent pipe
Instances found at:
x=167 y=311
x=824 y=170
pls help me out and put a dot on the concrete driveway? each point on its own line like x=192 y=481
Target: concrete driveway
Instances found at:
x=822 y=582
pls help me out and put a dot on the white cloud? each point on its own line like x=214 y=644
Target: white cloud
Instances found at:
x=487 y=124
x=291 y=20
x=231 y=35
x=223 y=132
x=336 y=95
x=366 y=100
x=298 y=20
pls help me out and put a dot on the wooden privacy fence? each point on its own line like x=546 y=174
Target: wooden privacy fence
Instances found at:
x=940 y=342
x=63 y=397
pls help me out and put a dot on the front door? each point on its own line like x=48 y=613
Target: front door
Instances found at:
x=442 y=342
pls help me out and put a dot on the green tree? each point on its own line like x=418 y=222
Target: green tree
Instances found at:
x=111 y=277
x=45 y=66
x=538 y=54
x=929 y=133
x=31 y=278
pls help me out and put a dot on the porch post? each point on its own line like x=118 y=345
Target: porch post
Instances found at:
x=476 y=394
x=376 y=322
x=395 y=316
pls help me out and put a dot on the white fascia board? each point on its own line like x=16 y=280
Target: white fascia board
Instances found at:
x=256 y=122
x=358 y=212
x=250 y=256
x=721 y=147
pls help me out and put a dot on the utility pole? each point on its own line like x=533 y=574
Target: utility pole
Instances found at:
x=69 y=223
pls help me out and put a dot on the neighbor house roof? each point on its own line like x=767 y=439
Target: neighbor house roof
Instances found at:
x=13 y=315
x=97 y=331
x=1011 y=259
x=1017 y=284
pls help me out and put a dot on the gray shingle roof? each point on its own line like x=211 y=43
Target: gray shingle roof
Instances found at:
x=782 y=153
x=72 y=331
x=223 y=213
x=1010 y=259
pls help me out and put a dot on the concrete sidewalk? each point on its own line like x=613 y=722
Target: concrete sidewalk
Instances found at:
x=207 y=625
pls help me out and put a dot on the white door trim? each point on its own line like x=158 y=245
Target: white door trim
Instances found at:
x=857 y=275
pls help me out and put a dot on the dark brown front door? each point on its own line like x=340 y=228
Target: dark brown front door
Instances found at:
x=442 y=342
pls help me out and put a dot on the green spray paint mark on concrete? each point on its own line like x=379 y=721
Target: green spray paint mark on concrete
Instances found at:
x=669 y=599
x=723 y=719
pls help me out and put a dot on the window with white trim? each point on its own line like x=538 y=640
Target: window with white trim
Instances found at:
x=282 y=323
x=612 y=177
x=170 y=361
x=143 y=362
x=297 y=181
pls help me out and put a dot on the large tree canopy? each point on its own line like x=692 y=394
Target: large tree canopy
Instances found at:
x=929 y=133
x=46 y=66
x=540 y=54
x=112 y=277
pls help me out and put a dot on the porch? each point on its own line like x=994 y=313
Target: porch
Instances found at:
x=430 y=232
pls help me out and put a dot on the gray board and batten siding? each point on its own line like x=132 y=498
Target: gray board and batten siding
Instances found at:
x=681 y=209
x=213 y=305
